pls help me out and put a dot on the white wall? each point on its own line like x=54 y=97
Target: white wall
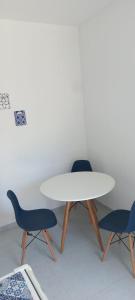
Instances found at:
x=40 y=69
x=108 y=64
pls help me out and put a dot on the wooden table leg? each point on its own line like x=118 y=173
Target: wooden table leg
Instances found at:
x=94 y=205
x=65 y=224
x=93 y=217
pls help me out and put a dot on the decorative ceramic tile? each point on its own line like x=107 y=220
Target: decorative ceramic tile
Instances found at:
x=14 y=288
x=4 y=101
x=20 y=118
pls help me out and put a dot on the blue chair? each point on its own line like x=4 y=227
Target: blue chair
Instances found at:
x=83 y=165
x=33 y=220
x=120 y=222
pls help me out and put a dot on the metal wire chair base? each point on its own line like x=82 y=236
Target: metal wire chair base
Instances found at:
x=120 y=239
x=35 y=237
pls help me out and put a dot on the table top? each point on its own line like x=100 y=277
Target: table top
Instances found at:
x=77 y=186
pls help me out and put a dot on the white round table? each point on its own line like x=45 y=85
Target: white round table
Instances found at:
x=76 y=187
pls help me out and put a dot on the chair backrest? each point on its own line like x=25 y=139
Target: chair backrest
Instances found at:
x=17 y=209
x=81 y=166
x=131 y=221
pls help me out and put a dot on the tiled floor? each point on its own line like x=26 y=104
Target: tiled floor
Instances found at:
x=79 y=273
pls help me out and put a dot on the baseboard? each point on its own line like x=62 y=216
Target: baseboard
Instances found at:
x=8 y=226
x=107 y=208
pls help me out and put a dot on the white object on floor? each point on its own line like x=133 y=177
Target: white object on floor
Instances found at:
x=31 y=282
x=77 y=186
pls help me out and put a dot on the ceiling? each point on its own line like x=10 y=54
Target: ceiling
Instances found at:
x=63 y=12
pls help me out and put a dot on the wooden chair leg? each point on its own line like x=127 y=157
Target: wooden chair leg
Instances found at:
x=46 y=237
x=49 y=235
x=132 y=254
x=24 y=240
x=108 y=245
x=93 y=217
x=65 y=224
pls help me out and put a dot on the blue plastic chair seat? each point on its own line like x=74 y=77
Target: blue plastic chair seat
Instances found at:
x=37 y=219
x=81 y=166
x=116 y=221
x=32 y=220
